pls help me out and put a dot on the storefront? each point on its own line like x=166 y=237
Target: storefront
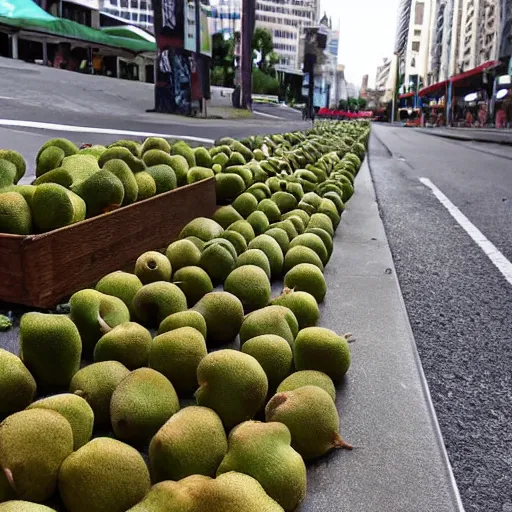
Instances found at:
x=503 y=102
x=470 y=94
x=408 y=109
x=37 y=36
x=433 y=104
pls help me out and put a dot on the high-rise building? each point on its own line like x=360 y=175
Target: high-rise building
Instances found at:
x=402 y=26
x=480 y=30
x=382 y=76
x=226 y=17
x=286 y=20
x=418 y=44
x=364 y=86
x=352 y=91
x=506 y=28
x=134 y=12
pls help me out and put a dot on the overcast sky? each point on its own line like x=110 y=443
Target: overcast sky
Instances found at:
x=367 y=34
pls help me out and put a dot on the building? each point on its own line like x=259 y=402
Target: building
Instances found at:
x=352 y=91
x=135 y=12
x=364 y=86
x=330 y=66
x=340 y=85
x=382 y=75
x=479 y=36
x=226 y=17
x=286 y=21
x=385 y=81
x=85 y=12
x=416 y=62
x=402 y=26
x=506 y=28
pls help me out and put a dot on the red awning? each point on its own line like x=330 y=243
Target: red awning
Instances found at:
x=440 y=87
x=475 y=71
x=406 y=95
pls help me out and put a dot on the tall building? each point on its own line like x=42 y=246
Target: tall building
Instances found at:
x=402 y=26
x=418 y=44
x=286 y=21
x=480 y=32
x=364 y=86
x=506 y=28
x=382 y=76
x=226 y=17
x=135 y=12
x=352 y=91
x=340 y=85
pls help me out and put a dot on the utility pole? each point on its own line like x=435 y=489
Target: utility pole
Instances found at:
x=309 y=69
x=248 y=23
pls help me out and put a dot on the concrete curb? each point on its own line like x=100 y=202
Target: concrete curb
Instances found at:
x=399 y=463
x=455 y=136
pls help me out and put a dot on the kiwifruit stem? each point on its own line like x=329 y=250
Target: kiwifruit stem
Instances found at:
x=339 y=443
x=104 y=327
x=9 y=476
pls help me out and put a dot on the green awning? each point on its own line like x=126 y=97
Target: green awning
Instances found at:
x=130 y=32
x=27 y=15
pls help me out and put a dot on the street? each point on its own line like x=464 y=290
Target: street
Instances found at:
x=458 y=301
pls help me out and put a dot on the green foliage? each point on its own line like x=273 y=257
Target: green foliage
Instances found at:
x=343 y=105
x=263 y=42
x=263 y=83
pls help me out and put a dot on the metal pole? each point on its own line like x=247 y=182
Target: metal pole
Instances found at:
x=449 y=101
x=248 y=19
x=395 y=83
x=198 y=30
x=14 y=44
x=45 y=53
x=492 y=107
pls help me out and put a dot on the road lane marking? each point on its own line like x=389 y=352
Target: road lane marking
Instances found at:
x=88 y=129
x=267 y=115
x=491 y=251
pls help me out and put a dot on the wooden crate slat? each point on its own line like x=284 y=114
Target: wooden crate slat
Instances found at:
x=45 y=268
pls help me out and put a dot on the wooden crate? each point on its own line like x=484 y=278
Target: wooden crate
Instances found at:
x=40 y=270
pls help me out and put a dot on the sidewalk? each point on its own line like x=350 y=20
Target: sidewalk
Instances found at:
x=487 y=135
x=399 y=463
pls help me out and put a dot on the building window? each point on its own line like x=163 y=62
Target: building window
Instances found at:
x=419 y=10
x=124 y=4
x=415 y=46
x=417 y=33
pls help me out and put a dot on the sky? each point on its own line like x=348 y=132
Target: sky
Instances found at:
x=367 y=34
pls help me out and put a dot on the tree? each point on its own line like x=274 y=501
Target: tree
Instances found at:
x=263 y=43
x=362 y=103
x=353 y=104
x=343 y=105
x=223 y=60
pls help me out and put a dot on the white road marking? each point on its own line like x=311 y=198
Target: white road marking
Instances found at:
x=88 y=129
x=491 y=251
x=7 y=98
x=267 y=115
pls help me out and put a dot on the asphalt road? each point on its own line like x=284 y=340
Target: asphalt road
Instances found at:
x=459 y=304
x=32 y=93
